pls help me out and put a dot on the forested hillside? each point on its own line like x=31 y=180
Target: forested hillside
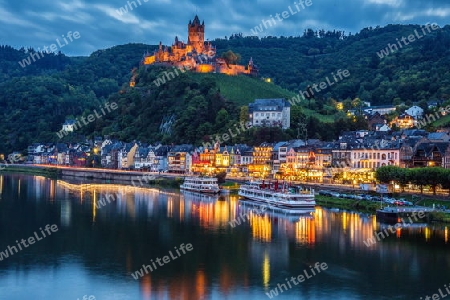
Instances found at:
x=417 y=72
x=36 y=99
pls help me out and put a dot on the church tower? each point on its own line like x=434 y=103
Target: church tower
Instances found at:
x=197 y=34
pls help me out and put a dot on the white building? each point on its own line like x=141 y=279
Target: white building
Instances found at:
x=415 y=111
x=68 y=126
x=381 y=109
x=374 y=158
x=270 y=112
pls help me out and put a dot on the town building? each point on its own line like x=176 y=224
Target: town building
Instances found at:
x=415 y=111
x=381 y=109
x=69 y=125
x=404 y=121
x=270 y=113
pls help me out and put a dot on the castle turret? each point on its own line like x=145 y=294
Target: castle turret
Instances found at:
x=196 y=34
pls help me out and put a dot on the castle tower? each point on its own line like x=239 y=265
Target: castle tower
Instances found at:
x=196 y=35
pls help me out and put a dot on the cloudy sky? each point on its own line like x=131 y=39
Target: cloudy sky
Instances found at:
x=102 y=24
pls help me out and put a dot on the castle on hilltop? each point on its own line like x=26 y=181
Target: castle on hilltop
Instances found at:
x=196 y=55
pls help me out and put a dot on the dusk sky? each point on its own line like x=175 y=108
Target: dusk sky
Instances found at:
x=100 y=24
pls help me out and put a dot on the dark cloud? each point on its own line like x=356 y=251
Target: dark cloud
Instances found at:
x=101 y=25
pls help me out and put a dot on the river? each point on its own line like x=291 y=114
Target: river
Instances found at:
x=195 y=253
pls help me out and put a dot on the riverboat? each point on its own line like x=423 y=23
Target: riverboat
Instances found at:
x=392 y=215
x=281 y=196
x=201 y=184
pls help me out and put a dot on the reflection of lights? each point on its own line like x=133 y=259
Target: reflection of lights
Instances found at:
x=146 y=286
x=374 y=222
x=266 y=269
x=305 y=231
x=221 y=213
x=200 y=284
x=66 y=212
x=94 y=206
x=399 y=232
x=344 y=220
x=427 y=233
x=181 y=210
x=169 y=207
x=446 y=234
x=261 y=227
x=52 y=190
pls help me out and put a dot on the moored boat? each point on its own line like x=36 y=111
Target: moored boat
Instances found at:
x=276 y=196
x=403 y=214
x=201 y=184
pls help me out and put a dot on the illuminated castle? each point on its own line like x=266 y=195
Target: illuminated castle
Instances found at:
x=196 y=55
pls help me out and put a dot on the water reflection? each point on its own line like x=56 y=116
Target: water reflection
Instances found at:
x=214 y=212
x=111 y=230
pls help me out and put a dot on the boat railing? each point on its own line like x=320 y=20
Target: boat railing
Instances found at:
x=292 y=191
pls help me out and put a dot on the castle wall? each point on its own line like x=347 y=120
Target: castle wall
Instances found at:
x=232 y=70
x=204 y=68
x=148 y=60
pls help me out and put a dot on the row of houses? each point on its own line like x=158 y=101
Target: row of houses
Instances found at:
x=356 y=155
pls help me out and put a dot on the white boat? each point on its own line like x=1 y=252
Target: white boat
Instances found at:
x=276 y=196
x=201 y=184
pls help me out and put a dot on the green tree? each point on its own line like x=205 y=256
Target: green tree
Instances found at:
x=231 y=58
x=416 y=176
x=432 y=176
x=244 y=114
x=221 y=177
x=386 y=174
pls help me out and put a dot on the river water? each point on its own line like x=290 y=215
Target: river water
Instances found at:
x=99 y=245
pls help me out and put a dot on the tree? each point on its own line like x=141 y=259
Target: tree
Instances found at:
x=402 y=178
x=221 y=177
x=433 y=176
x=231 y=58
x=386 y=174
x=445 y=180
x=244 y=114
x=416 y=177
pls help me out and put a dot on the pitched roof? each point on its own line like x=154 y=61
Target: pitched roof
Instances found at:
x=261 y=104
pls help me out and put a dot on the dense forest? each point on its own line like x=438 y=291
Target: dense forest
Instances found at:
x=38 y=98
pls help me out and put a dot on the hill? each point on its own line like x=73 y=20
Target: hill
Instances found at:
x=243 y=90
x=36 y=99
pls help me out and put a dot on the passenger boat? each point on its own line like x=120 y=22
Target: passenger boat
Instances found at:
x=201 y=184
x=276 y=196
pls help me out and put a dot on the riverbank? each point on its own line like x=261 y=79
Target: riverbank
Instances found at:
x=49 y=172
x=101 y=175
x=363 y=206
